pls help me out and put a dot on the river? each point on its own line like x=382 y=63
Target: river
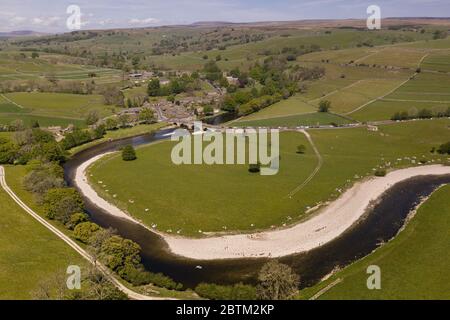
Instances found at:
x=379 y=225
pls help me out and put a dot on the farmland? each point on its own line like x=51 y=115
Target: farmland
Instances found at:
x=190 y=207
x=25 y=262
x=406 y=262
x=50 y=108
x=350 y=104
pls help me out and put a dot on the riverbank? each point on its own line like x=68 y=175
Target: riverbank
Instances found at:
x=331 y=222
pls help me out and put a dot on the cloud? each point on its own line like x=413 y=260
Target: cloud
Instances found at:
x=46 y=21
x=146 y=21
x=17 y=20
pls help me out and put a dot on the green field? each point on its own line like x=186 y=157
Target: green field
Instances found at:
x=426 y=91
x=310 y=119
x=413 y=266
x=25 y=261
x=238 y=55
x=51 y=108
x=292 y=106
x=397 y=57
x=359 y=93
x=13 y=66
x=186 y=197
x=438 y=61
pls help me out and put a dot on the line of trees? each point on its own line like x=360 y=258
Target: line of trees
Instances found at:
x=185 y=83
x=276 y=281
x=421 y=114
x=279 y=81
x=65 y=205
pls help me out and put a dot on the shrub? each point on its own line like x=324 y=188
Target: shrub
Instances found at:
x=218 y=292
x=324 y=106
x=84 y=231
x=128 y=153
x=444 y=148
x=301 y=149
x=118 y=252
x=254 y=168
x=380 y=173
x=43 y=177
x=61 y=203
x=76 y=219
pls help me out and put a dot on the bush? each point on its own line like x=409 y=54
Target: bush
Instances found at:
x=380 y=173
x=118 y=252
x=254 y=168
x=61 y=203
x=217 y=292
x=301 y=149
x=42 y=178
x=128 y=153
x=444 y=148
x=324 y=106
x=84 y=231
x=76 y=219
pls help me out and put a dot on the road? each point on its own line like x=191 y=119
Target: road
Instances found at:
x=102 y=268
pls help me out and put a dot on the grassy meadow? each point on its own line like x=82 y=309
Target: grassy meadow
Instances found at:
x=406 y=263
x=51 y=108
x=184 y=198
x=27 y=261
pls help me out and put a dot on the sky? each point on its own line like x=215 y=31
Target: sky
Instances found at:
x=51 y=16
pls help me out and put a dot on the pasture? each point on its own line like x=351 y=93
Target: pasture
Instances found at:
x=20 y=66
x=406 y=262
x=51 y=108
x=192 y=198
x=309 y=119
x=27 y=261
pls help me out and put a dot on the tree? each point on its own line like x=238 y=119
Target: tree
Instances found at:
x=301 y=149
x=425 y=114
x=118 y=252
x=51 y=288
x=128 y=153
x=111 y=123
x=324 y=106
x=212 y=71
x=100 y=288
x=254 y=167
x=277 y=282
x=218 y=292
x=135 y=62
x=92 y=118
x=444 y=148
x=113 y=96
x=35 y=55
x=42 y=178
x=146 y=115
x=154 y=88
x=35 y=124
x=61 y=203
x=76 y=219
x=17 y=125
x=123 y=120
x=84 y=231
